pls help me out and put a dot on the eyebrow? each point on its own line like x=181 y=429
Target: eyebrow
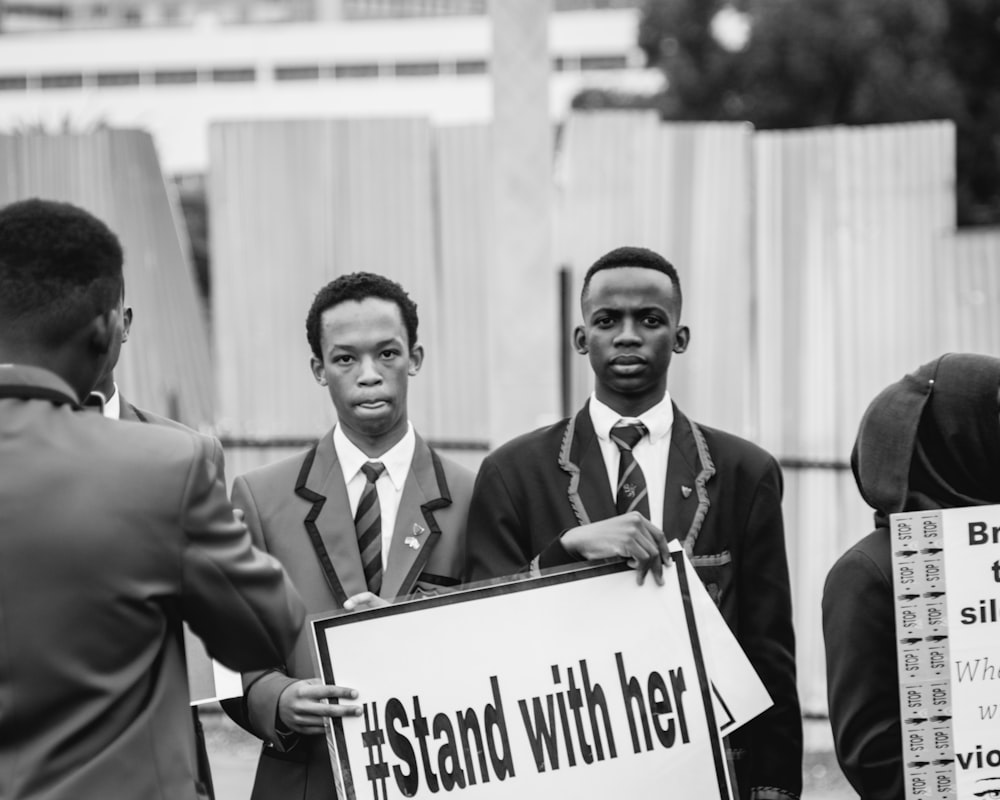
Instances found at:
x=395 y=340
x=641 y=310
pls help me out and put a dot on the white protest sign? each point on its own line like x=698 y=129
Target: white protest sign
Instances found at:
x=737 y=690
x=580 y=684
x=208 y=680
x=972 y=576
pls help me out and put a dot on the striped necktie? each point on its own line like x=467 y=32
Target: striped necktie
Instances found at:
x=368 y=524
x=632 y=494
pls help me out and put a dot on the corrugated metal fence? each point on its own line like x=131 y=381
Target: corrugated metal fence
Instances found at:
x=818 y=266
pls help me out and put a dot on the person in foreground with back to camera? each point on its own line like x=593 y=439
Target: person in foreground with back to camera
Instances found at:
x=370 y=513
x=930 y=440
x=111 y=536
x=588 y=487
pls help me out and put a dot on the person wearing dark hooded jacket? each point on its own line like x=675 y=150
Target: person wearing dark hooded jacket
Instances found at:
x=931 y=440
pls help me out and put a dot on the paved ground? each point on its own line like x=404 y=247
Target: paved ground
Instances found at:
x=233 y=754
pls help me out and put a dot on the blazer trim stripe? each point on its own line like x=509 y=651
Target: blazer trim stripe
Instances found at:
x=442 y=481
x=315 y=537
x=573 y=490
x=707 y=471
x=428 y=510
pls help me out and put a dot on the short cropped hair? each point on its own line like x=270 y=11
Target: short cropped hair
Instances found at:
x=60 y=266
x=633 y=257
x=358 y=286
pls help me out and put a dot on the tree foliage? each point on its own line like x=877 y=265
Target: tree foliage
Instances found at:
x=827 y=62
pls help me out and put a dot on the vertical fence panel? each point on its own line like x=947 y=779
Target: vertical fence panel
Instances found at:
x=849 y=232
x=462 y=182
x=976 y=309
x=273 y=229
x=294 y=205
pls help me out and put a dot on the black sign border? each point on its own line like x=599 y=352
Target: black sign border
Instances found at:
x=507 y=585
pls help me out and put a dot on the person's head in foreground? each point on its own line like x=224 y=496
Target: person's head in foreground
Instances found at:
x=60 y=291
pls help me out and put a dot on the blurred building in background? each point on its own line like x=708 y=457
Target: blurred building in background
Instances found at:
x=35 y=15
x=174 y=67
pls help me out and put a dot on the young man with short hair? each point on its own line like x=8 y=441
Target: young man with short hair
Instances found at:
x=370 y=513
x=112 y=537
x=631 y=469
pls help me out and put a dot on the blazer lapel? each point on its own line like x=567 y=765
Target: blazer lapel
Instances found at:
x=581 y=459
x=417 y=530
x=329 y=523
x=680 y=498
x=127 y=411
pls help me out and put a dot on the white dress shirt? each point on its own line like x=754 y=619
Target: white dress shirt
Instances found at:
x=113 y=404
x=651 y=451
x=389 y=484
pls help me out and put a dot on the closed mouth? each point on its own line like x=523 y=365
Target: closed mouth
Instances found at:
x=627 y=361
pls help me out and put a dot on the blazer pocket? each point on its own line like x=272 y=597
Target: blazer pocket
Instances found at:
x=715 y=570
x=438 y=580
x=431 y=585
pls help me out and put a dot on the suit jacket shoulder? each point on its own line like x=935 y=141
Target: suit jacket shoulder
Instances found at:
x=131 y=413
x=458 y=478
x=727 y=448
x=541 y=443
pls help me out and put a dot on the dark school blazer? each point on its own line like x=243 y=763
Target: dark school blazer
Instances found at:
x=722 y=500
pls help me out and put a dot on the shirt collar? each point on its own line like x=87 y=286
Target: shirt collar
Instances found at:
x=113 y=404
x=396 y=459
x=27 y=375
x=658 y=420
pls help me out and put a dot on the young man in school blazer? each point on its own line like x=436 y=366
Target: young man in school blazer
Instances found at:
x=629 y=469
x=362 y=329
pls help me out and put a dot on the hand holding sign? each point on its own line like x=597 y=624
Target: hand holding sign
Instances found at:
x=630 y=536
x=302 y=706
x=364 y=601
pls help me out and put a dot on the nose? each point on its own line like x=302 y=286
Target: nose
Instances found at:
x=369 y=374
x=628 y=334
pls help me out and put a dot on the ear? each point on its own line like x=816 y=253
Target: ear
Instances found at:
x=101 y=331
x=316 y=365
x=416 y=359
x=126 y=323
x=682 y=339
x=580 y=340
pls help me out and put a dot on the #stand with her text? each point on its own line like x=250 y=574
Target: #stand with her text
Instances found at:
x=946 y=581
x=580 y=684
